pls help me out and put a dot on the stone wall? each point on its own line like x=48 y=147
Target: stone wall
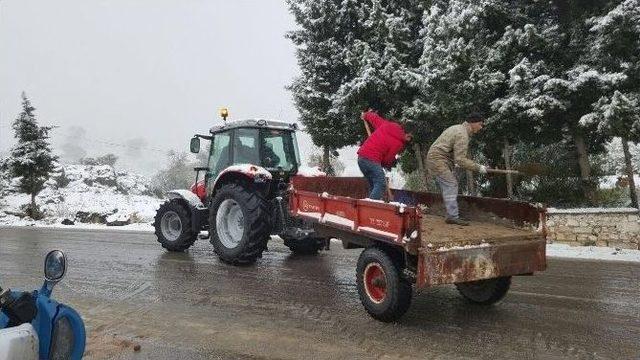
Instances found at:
x=619 y=228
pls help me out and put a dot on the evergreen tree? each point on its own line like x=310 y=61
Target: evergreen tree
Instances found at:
x=353 y=55
x=556 y=85
x=616 y=36
x=325 y=29
x=383 y=59
x=31 y=158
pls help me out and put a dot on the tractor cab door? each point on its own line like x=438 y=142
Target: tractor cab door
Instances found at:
x=246 y=146
x=219 y=155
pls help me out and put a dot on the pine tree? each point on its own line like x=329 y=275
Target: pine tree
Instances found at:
x=31 y=158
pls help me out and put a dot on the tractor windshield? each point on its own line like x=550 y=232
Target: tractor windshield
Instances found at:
x=279 y=149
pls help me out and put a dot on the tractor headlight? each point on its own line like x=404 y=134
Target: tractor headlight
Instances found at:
x=63 y=340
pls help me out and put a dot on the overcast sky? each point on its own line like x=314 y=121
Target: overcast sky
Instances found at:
x=152 y=69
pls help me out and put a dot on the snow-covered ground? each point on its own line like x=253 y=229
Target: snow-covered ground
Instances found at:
x=83 y=194
x=592 y=253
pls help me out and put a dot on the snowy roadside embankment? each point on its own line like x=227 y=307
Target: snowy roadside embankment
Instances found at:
x=83 y=194
x=592 y=253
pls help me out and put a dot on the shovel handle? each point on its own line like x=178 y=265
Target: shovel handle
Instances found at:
x=501 y=171
x=366 y=126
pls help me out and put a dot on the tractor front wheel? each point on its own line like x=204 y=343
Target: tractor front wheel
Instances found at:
x=173 y=226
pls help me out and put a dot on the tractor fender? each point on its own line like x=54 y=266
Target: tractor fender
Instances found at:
x=192 y=199
x=197 y=209
x=252 y=172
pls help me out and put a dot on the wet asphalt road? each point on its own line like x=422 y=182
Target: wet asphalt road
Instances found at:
x=190 y=306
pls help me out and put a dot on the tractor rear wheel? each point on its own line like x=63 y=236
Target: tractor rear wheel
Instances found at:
x=173 y=226
x=485 y=292
x=240 y=223
x=385 y=294
x=307 y=246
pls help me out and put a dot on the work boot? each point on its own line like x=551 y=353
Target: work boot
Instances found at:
x=456 y=221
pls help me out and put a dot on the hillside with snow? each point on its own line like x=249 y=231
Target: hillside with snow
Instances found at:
x=82 y=194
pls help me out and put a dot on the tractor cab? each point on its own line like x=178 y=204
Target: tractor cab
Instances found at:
x=266 y=144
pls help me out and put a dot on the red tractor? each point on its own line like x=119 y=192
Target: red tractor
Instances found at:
x=242 y=198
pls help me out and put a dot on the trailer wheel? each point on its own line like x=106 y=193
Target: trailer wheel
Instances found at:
x=240 y=223
x=386 y=296
x=485 y=292
x=173 y=226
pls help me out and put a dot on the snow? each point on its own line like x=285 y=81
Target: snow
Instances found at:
x=592 y=253
x=374 y=200
x=313 y=215
x=136 y=227
x=378 y=232
x=335 y=219
x=247 y=169
x=465 y=247
x=610 y=181
x=401 y=206
x=593 y=211
x=76 y=189
x=310 y=171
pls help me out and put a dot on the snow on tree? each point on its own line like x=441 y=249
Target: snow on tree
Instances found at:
x=31 y=158
x=352 y=55
x=554 y=83
x=616 y=53
x=457 y=39
x=382 y=60
x=614 y=161
x=325 y=28
x=534 y=68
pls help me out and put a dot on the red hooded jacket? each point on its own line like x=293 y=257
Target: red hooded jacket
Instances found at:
x=385 y=142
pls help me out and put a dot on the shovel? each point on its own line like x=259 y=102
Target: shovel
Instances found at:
x=524 y=169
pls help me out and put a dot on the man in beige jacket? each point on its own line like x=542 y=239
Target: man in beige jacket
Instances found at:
x=450 y=149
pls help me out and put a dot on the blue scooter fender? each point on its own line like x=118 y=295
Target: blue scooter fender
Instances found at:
x=49 y=313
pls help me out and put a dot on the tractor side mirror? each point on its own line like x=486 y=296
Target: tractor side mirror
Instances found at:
x=195 y=145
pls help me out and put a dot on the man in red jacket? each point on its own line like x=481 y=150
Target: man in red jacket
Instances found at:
x=379 y=151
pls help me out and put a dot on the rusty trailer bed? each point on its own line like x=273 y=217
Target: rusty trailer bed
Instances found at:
x=436 y=233
x=506 y=237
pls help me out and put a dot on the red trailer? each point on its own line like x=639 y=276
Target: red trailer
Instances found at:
x=407 y=242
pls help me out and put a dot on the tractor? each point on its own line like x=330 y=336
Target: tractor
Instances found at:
x=241 y=198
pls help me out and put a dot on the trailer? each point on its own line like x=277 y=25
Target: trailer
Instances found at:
x=407 y=243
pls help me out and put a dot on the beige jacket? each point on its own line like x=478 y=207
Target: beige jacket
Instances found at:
x=450 y=149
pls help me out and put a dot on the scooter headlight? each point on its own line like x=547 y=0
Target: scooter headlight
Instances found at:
x=63 y=339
